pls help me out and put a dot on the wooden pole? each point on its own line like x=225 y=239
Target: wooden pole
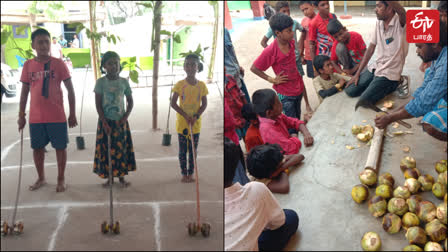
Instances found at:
x=375 y=150
x=92 y=7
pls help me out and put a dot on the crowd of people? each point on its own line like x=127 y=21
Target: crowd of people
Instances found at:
x=268 y=121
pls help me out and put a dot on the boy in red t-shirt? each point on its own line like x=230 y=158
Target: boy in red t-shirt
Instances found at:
x=307 y=8
x=348 y=49
x=320 y=40
x=280 y=55
x=42 y=78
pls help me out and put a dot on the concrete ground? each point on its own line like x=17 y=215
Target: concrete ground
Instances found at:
x=321 y=187
x=153 y=212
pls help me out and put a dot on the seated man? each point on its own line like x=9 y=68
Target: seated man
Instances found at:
x=384 y=75
x=430 y=99
x=254 y=219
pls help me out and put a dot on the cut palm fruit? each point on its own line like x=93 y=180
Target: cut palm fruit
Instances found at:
x=349 y=147
x=388 y=104
x=406 y=149
x=364 y=121
x=395 y=125
x=397 y=133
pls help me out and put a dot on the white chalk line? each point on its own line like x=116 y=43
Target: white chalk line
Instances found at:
x=62 y=217
x=156 y=210
x=58 y=204
x=8 y=148
x=144 y=160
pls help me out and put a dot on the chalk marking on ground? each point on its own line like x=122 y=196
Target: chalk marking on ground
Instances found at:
x=172 y=158
x=58 y=204
x=62 y=217
x=156 y=210
x=8 y=148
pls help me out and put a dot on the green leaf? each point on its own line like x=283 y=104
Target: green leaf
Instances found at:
x=108 y=39
x=88 y=34
x=198 y=49
x=21 y=29
x=205 y=48
x=165 y=32
x=147 y=5
x=177 y=39
x=5 y=36
x=124 y=64
x=134 y=76
x=119 y=38
x=133 y=59
x=114 y=39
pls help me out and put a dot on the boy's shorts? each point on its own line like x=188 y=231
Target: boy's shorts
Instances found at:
x=42 y=133
x=438 y=117
x=309 y=69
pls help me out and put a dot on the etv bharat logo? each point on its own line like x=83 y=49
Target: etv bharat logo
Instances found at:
x=422 y=26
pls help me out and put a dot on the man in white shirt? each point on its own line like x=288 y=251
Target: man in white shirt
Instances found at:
x=55 y=49
x=253 y=218
x=384 y=75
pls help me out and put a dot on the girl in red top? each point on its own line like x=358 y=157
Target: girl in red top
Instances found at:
x=253 y=137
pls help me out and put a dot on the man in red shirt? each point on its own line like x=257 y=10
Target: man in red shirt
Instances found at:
x=348 y=49
x=320 y=40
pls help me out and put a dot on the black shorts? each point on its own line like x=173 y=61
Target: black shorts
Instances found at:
x=42 y=133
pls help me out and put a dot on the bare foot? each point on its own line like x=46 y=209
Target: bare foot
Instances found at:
x=61 y=187
x=184 y=179
x=301 y=158
x=39 y=183
x=106 y=184
x=124 y=183
x=190 y=179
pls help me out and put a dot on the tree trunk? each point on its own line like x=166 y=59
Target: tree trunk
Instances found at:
x=215 y=40
x=155 y=77
x=94 y=43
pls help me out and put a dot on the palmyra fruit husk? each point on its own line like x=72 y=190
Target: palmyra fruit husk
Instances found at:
x=407 y=162
x=386 y=179
x=433 y=246
x=441 y=166
x=441 y=213
x=412 y=184
x=442 y=178
x=413 y=201
x=371 y=241
x=397 y=206
x=411 y=173
x=356 y=129
x=409 y=220
x=436 y=230
x=426 y=211
x=391 y=223
x=377 y=206
x=416 y=235
x=439 y=190
x=426 y=181
x=412 y=248
x=384 y=191
x=402 y=192
x=368 y=177
x=360 y=193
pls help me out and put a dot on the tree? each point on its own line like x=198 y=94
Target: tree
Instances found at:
x=215 y=39
x=156 y=47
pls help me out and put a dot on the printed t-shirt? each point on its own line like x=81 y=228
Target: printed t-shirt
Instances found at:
x=113 y=92
x=273 y=57
x=355 y=46
x=190 y=97
x=318 y=32
x=42 y=109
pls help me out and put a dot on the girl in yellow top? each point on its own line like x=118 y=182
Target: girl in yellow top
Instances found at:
x=192 y=95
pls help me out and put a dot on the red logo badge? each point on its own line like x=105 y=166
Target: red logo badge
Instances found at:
x=422 y=26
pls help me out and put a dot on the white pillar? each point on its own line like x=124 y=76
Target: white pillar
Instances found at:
x=331 y=6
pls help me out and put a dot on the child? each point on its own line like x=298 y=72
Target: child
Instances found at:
x=283 y=7
x=320 y=40
x=193 y=101
x=307 y=8
x=281 y=56
x=348 y=49
x=253 y=137
x=254 y=219
x=274 y=125
x=327 y=83
x=113 y=120
x=42 y=78
x=267 y=164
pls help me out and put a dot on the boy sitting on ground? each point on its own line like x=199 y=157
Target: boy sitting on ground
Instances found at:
x=327 y=83
x=267 y=164
x=348 y=49
x=274 y=125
